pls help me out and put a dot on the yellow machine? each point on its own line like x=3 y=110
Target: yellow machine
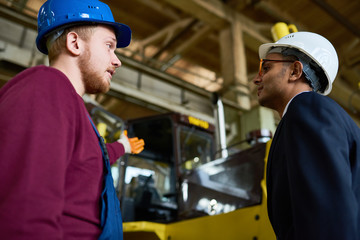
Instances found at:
x=176 y=189
x=241 y=224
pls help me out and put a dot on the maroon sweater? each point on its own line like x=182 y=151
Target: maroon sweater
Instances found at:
x=51 y=167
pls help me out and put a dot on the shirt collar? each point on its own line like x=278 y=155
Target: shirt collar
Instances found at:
x=287 y=105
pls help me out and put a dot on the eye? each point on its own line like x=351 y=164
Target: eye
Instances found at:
x=266 y=68
x=109 y=45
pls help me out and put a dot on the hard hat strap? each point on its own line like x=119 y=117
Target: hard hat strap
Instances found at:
x=308 y=67
x=51 y=38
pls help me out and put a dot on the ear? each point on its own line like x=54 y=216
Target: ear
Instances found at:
x=73 y=43
x=296 y=71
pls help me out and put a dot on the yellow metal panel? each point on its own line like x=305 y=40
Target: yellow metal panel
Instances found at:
x=237 y=225
x=265 y=228
x=101 y=127
x=243 y=224
x=145 y=229
x=263 y=181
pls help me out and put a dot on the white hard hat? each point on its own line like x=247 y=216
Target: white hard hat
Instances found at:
x=318 y=48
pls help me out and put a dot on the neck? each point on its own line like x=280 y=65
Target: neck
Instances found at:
x=68 y=66
x=295 y=87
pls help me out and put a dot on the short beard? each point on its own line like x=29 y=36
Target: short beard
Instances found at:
x=92 y=80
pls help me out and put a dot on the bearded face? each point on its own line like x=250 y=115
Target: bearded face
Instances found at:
x=98 y=61
x=94 y=80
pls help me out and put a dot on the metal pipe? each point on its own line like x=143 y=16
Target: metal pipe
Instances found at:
x=222 y=130
x=220 y=126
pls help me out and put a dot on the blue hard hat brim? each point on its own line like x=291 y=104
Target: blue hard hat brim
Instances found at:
x=122 y=33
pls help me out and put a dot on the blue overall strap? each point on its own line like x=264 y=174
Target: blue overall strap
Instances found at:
x=110 y=218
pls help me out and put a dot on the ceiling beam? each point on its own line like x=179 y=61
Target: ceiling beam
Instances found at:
x=166 y=33
x=279 y=14
x=17 y=17
x=175 y=38
x=338 y=17
x=196 y=8
x=166 y=10
x=218 y=15
x=126 y=61
x=189 y=43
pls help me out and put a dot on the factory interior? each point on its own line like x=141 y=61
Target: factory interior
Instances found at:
x=185 y=56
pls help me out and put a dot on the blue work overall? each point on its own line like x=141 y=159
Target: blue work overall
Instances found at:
x=110 y=218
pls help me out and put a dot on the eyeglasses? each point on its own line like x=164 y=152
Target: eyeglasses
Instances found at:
x=262 y=61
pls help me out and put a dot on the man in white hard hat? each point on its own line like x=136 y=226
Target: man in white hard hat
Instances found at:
x=313 y=172
x=55 y=177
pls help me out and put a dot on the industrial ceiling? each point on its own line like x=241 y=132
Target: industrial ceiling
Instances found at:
x=213 y=44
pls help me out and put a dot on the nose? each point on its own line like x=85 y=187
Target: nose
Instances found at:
x=116 y=61
x=257 y=79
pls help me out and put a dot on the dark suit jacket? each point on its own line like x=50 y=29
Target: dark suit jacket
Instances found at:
x=313 y=173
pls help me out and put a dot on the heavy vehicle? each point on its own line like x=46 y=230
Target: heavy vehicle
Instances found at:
x=176 y=189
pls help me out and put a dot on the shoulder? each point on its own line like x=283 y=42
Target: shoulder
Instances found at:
x=44 y=83
x=37 y=71
x=41 y=89
x=309 y=98
x=309 y=111
x=37 y=79
x=313 y=103
x=48 y=77
x=319 y=111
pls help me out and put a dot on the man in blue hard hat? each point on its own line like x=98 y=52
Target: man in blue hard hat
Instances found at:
x=55 y=173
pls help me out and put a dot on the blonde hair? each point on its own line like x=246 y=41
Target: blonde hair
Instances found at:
x=58 y=46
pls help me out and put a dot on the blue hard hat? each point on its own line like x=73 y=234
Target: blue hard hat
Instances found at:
x=58 y=14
